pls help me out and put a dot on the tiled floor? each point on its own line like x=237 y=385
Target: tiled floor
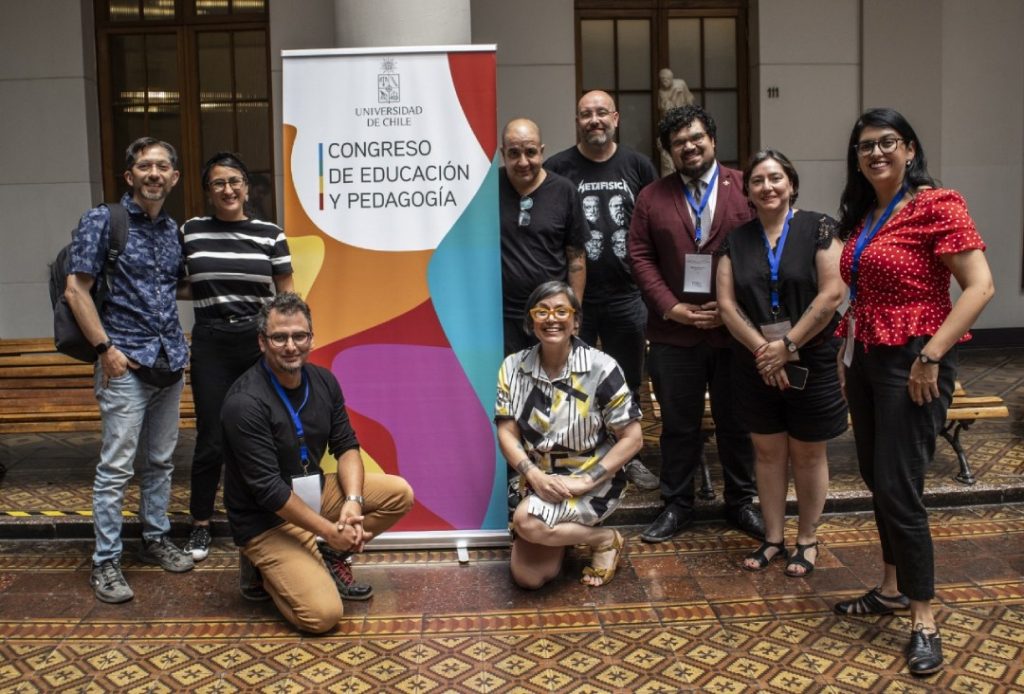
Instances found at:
x=679 y=616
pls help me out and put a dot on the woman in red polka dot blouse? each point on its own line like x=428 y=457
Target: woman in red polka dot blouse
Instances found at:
x=898 y=361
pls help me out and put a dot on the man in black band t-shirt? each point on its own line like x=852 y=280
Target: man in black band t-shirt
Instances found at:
x=297 y=528
x=608 y=176
x=542 y=228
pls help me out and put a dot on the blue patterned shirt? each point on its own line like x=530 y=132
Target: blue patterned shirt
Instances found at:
x=141 y=313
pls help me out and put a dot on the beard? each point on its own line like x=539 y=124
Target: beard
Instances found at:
x=696 y=170
x=598 y=136
x=153 y=196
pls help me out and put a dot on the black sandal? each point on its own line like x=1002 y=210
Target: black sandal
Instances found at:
x=872 y=602
x=798 y=559
x=760 y=555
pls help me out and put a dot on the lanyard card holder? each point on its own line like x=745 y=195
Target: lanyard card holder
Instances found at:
x=307 y=488
x=697 y=273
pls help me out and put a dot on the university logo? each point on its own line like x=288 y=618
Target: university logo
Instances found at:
x=388 y=83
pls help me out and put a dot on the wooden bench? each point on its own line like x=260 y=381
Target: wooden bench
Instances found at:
x=964 y=411
x=42 y=390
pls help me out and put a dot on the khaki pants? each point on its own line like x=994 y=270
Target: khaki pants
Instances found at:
x=293 y=571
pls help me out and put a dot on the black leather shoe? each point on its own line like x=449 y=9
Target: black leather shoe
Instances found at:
x=665 y=526
x=924 y=653
x=747 y=518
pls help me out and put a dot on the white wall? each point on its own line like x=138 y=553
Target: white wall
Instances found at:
x=810 y=51
x=956 y=71
x=536 y=63
x=290 y=29
x=50 y=172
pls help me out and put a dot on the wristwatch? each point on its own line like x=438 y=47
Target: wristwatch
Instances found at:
x=355 y=498
x=790 y=345
x=102 y=347
x=925 y=359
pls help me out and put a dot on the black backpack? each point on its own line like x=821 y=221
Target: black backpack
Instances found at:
x=67 y=336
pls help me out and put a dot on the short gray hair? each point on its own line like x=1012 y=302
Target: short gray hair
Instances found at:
x=545 y=290
x=288 y=303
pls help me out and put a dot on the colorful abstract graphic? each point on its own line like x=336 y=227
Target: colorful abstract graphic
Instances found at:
x=406 y=314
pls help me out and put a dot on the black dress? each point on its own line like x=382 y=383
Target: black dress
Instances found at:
x=818 y=412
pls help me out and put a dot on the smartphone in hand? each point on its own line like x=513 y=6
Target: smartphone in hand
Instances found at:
x=797 y=375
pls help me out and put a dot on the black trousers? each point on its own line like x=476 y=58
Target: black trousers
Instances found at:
x=621 y=325
x=895 y=441
x=680 y=376
x=220 y=354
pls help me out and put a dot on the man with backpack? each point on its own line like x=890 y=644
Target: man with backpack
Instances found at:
x=141 y=353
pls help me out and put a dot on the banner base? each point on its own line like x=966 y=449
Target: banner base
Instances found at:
x=459 y=540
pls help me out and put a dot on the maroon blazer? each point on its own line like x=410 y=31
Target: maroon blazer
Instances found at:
x=661 y=234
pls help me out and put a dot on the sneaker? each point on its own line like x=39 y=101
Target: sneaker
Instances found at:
x=250 y=581
x=166 y=554
x=339 y=566
x=198 y=544
x=642 y=478
x=108 y=582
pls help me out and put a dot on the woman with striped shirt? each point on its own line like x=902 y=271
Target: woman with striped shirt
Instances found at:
x=235 y=264
x=567 y=423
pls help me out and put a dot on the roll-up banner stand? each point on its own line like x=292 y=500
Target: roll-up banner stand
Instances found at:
x=391 y=212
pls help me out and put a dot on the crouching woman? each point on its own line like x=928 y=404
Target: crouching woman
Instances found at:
x=568 y=424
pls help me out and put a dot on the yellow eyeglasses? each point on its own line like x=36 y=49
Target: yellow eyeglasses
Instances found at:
x=559 y=312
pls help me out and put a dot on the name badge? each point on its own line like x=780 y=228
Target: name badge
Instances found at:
x=850 y=337
x=776 y=331
x=307 y=488
x=697 y=273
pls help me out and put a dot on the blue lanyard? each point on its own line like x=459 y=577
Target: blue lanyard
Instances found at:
x=293 y=413
x=867 y=234
x=698 y=210
x=775 y=259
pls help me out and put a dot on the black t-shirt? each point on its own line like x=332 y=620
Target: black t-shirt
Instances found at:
x=809 y=232
x=261 y=450
x=607 y=192
x=535 y=253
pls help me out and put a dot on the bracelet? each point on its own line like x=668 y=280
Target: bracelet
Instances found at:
x=595 y=473
x=356 y=498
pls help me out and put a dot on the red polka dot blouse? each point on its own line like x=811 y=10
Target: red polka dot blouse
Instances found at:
x=902 y=284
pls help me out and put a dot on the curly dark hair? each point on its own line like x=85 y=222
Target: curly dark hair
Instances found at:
x=683 y=117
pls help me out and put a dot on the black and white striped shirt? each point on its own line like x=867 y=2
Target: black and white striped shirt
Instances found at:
x=232 y=265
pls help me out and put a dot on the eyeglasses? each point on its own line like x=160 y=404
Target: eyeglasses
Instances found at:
x=559 y=312
x=694 y=140
x=599 y=113
x=301 y=339
x=525 y=205
x=219 y=184
x=886 y=144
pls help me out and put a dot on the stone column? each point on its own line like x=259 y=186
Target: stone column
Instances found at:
x=359 y=23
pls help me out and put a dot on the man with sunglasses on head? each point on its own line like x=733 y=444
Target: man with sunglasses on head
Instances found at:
x=543 y=230
x=678 y=224
x=297 y=528
x=610 y=174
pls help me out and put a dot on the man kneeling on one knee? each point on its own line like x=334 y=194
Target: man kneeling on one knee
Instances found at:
x=297 y=528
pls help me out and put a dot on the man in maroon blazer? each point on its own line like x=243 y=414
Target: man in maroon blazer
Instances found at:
x=678 y=223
